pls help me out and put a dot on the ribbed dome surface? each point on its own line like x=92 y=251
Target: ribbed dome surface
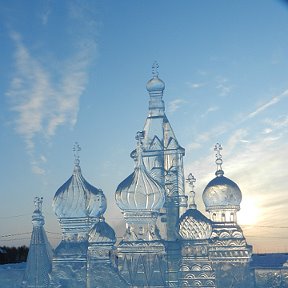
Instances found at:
x=101 y=233
x=193 y=225
x=75 y=198
x=155 y=84
x=222 y=192
x=140 y=191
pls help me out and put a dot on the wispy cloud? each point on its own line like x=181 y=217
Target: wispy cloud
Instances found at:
x=44 y=16
x=175 y=105
x=201 y=139
x=195 y=85
x=274 y=100
x=209 y=110
x=40 y=104
x=223 y=86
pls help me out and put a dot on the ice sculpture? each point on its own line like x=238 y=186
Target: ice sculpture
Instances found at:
x=228 y=250
x=141 y=253
x=163 y=157
x=165 y=244
x=78 y=206
x=100 y=271
x=196 y=269
x=39 y=259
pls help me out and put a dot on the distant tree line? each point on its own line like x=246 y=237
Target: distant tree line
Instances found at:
x=13 y=254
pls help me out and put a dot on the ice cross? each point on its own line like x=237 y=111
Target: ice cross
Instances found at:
x=155 y=67
x=191 y=180
x=76 y=150
x=139 y=136
x=38 y=203
x=219 y=160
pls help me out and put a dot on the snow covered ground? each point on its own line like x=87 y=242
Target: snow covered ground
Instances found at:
x=11 y=275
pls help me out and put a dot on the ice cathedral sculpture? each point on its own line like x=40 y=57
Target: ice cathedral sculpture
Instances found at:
x=39 y=260
x=166 y=242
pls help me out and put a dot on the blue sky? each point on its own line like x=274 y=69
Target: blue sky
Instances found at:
x=76 y=71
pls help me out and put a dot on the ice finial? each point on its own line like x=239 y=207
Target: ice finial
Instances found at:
x=76 y=150
x=155 y=67
x=219 y=160
x=38 y=201
x=139 y=137
x=191 y=180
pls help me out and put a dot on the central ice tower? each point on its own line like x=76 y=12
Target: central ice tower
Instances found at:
x=163 y=158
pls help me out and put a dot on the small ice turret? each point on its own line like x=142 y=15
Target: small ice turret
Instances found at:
x=228 y=248
x=222 y=196
x=100 y=269
x=195 y=229
x=39 y=261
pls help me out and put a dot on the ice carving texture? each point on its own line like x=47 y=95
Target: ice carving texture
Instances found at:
x=139 y=191
x=194 y=225
x=77 y=198
x=102 y=232
x=222 y=192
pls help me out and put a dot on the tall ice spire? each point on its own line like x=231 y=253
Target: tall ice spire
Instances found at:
x=39 y=259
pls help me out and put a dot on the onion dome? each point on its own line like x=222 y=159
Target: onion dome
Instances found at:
x=77 y=198
x=193 y=225
x=221 y=192
x=102 y=233
x=155 y=84
x=139 y=191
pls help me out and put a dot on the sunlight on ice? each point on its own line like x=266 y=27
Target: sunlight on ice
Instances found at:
x=168 y=242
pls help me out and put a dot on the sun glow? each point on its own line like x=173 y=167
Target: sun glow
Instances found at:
x=249 y=213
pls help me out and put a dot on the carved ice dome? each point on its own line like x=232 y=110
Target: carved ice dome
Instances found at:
x=139 y=191
x=102 y=233
x=193 y=225
x=155 y=84
x=76 y=196
x=222 y=192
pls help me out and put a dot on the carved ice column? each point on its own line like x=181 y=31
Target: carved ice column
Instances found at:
x=141 y=253
x=229 y=250
x=100 y=270
x=196 y=269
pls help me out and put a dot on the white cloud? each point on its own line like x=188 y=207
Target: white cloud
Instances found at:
x=40 y=105
x=193 y=146
x=44 y=16
x=175 y=105
x=274 y=100
x=209 y=110
x=213 y=133
x=195 y=85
